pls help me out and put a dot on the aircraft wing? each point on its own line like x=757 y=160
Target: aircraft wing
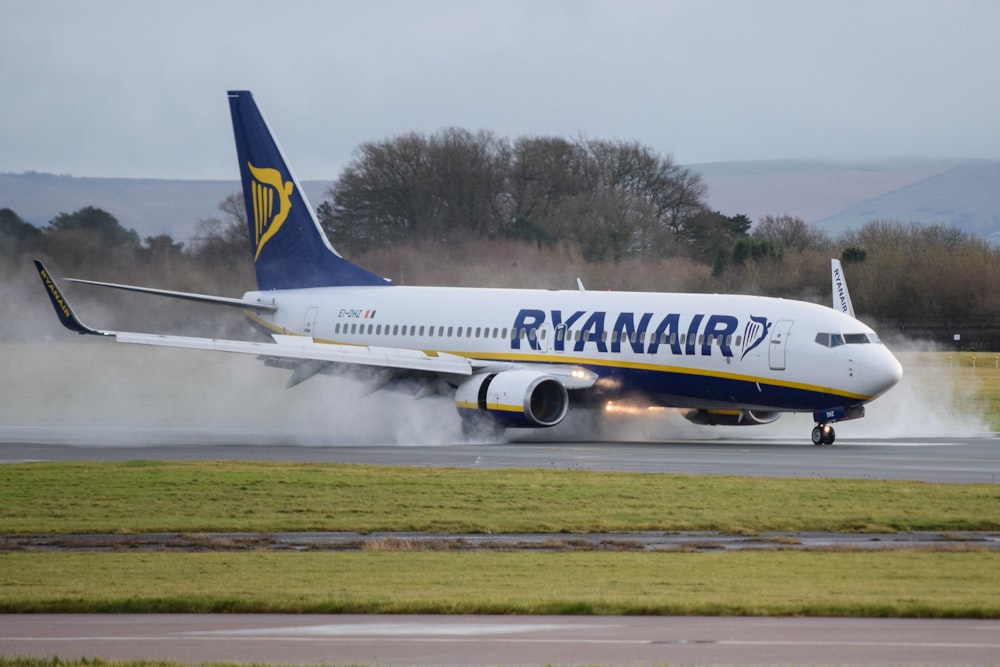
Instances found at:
x=302 y=348
x=283 y=347
x=305 y=349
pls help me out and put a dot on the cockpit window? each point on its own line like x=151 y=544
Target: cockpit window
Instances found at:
x=835 y=339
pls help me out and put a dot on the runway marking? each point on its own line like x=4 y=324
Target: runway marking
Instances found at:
x=389 y=629
x=395 y=638
x=871 y=644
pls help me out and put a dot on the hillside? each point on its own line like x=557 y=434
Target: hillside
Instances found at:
x=148 y=206
x=834 y=196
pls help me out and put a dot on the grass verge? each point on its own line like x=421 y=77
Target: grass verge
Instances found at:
x=193 y=497
x=898 y=584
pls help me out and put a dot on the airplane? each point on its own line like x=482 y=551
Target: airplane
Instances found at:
x=520 y=358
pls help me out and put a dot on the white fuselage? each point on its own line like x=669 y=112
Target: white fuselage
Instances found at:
x=682 y=350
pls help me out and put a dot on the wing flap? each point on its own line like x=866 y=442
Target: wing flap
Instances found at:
x=305 y=349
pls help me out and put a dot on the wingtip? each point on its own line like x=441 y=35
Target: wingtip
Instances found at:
x=66 y=315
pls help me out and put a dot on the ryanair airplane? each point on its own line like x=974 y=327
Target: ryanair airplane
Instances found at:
x=521 y=357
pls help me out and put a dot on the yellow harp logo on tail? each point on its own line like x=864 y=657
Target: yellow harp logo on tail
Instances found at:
x=269 y=192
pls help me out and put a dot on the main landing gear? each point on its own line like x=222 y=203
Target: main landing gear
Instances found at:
x=823 y=434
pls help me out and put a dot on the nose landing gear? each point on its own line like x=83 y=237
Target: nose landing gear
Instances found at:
x=823 y=434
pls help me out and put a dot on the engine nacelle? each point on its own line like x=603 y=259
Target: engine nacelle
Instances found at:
x=518 y=398
x=730 y=417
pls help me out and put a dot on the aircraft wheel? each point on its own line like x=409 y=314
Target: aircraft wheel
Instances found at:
x=823 y=434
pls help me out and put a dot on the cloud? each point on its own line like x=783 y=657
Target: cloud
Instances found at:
x=117 y=89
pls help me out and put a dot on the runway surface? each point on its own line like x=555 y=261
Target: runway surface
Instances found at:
x=505 y=640
x=960 y=459
x=519 y=640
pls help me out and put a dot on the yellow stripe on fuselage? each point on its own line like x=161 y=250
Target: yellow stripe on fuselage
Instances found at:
x=604 y=363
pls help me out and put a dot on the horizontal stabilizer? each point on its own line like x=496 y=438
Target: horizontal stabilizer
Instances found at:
x=188 y=296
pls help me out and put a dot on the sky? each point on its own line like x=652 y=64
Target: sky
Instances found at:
x=138 y=89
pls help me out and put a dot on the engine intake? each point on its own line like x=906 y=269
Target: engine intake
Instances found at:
x=517 y=398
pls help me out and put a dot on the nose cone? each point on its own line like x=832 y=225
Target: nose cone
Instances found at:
x=883 y=371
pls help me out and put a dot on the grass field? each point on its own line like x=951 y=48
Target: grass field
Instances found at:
x=150 y=496
x=772 y=583
x=205 y=496
x=981 y=370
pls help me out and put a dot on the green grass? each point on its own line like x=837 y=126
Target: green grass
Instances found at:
x=146 y=496
x=908 y=583
x=982 y=371
x=99 y=662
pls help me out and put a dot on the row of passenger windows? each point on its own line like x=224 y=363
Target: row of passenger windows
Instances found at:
x=523 y=333
x=835 y=339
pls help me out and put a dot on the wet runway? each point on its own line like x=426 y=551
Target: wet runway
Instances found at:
x=504 y=640
x=960 y=459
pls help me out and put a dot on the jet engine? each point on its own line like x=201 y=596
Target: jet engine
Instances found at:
x=514 y=398
x=730 y=417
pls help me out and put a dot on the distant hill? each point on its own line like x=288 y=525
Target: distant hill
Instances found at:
x=148 y=206
x=966 y=197
x=834 y=196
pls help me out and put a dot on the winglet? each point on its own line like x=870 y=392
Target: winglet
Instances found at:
x=65 y=313
x=841 y=297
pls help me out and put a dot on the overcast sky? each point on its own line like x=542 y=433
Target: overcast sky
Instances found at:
x=101 y=88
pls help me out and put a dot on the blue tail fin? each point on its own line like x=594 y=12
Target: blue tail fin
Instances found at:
x=290 y=248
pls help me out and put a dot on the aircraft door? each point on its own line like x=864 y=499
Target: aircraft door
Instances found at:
x=310 y=324
x=544 y=335
x=779 y=338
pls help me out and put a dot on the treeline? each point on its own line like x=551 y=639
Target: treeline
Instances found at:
x=461 y=208
x=610 y=200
